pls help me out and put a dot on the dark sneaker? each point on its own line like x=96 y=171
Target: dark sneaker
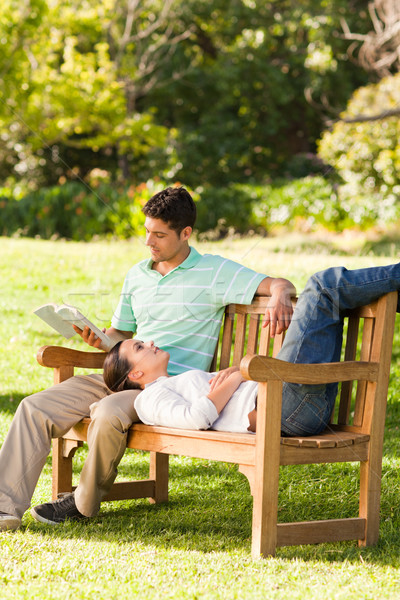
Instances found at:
x=57 y=511
x=8 y=522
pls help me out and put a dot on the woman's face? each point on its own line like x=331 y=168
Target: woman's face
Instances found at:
x=147 y=360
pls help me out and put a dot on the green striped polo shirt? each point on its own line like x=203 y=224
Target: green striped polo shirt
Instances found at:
x=182 y=311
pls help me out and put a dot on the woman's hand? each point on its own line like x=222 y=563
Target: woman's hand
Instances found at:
x=221 y=376
x=226 y=385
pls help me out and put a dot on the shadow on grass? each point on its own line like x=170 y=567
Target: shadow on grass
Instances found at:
x=388 y=245
x=210 y=506
x=173 y=528
x=210 y=510
x=9 y=402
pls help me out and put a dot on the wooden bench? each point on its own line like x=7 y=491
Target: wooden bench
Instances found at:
x=355 y=434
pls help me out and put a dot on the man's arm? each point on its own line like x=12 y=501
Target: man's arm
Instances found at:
x=279 y=311
x=92 y=340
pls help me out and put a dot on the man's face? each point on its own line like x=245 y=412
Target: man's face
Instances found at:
x=164 y=243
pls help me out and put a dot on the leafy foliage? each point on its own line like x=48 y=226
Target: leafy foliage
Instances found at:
x=242 y=110
x=366 y=154
x=207 y=92
x=67 y=94
x=80 y=212
x=229 y=97
x=76 y=211
x=308 y=204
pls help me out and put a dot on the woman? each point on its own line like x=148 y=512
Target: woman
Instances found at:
x=192 y=400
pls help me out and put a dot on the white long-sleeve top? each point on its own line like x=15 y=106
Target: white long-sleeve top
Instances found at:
x=181 y=401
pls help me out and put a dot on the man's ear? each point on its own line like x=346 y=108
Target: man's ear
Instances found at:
x=135 y=375
x=186 y=233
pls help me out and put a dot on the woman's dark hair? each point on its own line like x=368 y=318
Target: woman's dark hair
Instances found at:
x=174 y=206
x=116 y=370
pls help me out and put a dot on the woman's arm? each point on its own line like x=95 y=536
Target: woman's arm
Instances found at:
x=221 y=394
x=221 y=376
x=161 y=404
x=185 y=406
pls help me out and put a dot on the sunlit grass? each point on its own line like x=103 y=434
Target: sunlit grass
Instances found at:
x=197 y=545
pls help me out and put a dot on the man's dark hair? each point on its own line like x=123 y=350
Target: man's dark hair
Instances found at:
x=116 y=370
x=174 y=206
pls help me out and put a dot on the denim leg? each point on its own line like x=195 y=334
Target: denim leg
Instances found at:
x=315 y=336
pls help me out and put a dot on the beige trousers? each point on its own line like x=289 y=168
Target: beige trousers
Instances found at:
x=50 y=414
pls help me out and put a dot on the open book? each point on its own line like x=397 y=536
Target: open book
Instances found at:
x=62 y=316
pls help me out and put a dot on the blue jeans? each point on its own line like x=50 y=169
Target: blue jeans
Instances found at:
x=315 y=336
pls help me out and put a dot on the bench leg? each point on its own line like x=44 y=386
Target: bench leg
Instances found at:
x=370 y=492
x=63 y=452
x=265 y=515
x=249 y=472
x=266 y=482
x=159 y=469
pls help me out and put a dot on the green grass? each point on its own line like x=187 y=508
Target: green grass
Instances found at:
x=198 y=545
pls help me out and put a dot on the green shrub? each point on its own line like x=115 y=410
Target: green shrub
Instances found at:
x=367 y=154
x=76 y=211
x=79 y=212
x=231 y=207
x=310 y=200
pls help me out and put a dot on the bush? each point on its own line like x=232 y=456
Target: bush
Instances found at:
x=230 y=208
x=367 y=154
x=76 y=211
x=310 y=202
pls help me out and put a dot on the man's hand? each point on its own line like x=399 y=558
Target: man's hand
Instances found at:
x=278 y=313
x=89 y=337
x=92 y=340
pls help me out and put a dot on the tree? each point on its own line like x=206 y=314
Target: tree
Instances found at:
x=204 y=91
x=378 y=50
x=265 y=78
x=142 y=38
x=84 y=66
x=19 y=21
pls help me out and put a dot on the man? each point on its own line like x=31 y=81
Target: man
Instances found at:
x=177 y=298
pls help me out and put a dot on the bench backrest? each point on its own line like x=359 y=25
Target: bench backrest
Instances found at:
x=369 y=338
x=364 y=340
x=242 y=333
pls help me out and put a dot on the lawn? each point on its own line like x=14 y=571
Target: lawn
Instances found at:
x=198 y=545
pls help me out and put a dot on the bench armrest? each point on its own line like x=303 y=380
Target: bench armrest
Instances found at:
x=58 y=356
x=263 y=368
